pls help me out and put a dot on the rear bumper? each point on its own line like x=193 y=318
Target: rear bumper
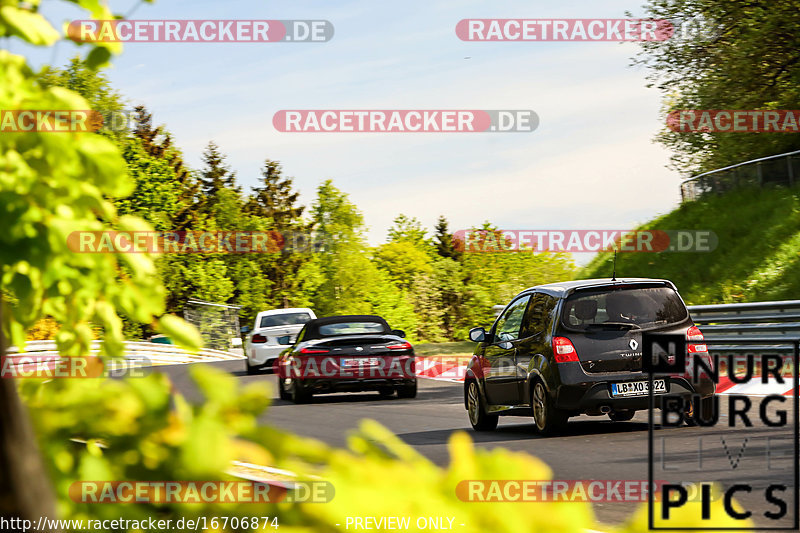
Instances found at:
x=264 y=354
x=594 y=395
x=323 y=386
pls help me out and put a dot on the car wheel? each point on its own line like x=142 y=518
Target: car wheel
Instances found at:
x=706 y=411
x=407 y=391
x=546 y=417
x=386 y=392
x=297 y=393
x=282 y=392
x=622 y=416
x=480 y=420
x=251 y=370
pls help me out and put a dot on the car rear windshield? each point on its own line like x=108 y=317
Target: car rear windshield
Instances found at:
x=631 y=308
x=284 y=319
x=352 y=328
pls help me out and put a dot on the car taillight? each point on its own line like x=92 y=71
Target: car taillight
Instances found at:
x=563 y=350
x=314 y=350
x=259 y=339
x=694 y=334
x=400 y=346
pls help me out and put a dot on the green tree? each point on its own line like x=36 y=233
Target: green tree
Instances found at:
x=346 y=271
x=50 y=186
x=157 y=143
x=407 y=229
x=276 y=200
x=215 y=176
x=443 y=240
x=725 y=55
x=403 y=261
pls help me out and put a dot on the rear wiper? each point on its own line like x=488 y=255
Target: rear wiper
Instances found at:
x=613 y=325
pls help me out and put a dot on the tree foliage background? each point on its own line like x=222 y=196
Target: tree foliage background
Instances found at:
x=417 y=280
x=736 y=54
x=141 y=429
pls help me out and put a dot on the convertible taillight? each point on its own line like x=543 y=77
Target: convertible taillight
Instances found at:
x=400 y=346
x=258 y=339
x=314 y=350
x=563 y=350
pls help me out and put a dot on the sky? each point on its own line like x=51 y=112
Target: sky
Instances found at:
x=590 y=164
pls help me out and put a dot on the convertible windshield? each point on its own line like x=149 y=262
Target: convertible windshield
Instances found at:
x=623 y=308
x=352 y=328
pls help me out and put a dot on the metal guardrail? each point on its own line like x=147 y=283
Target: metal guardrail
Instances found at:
x=780 y=169
x=142 y=353
x=749 y=327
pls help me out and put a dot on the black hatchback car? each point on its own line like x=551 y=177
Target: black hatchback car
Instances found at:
x=572 y=348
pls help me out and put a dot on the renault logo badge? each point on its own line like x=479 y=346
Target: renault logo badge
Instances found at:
x=633 y=344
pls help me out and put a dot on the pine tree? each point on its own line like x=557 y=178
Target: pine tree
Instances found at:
x=443 y=240
x=216 y=175
x=276 y=199
x=158 y=143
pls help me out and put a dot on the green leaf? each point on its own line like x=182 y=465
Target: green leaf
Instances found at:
x=98 y=58
x=27 y=25
x=181 y=332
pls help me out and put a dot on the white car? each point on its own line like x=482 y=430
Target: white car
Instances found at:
x=262 y=347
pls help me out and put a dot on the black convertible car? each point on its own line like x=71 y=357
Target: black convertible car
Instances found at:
x=351 y=353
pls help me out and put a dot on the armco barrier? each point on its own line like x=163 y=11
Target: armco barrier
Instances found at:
x=747 y=326
x=754 y=328
x=143 y=353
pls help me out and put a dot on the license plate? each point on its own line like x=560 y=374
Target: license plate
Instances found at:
x=638 y=388
x=363 y=361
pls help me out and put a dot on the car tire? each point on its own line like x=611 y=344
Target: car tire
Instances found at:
x=251 y=370
x=282 y=392
x=407 y=391
x=478 y=418
x=622 y=416
x=706 y=411
x=386 y=392
x=298 y=394
x=547 y=419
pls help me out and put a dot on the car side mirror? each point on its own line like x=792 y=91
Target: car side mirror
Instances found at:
x=477 y=334
x=284 y=340
x=399 y=333
x=245 y=329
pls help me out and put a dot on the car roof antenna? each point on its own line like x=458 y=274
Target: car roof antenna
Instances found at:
x=614 y=273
